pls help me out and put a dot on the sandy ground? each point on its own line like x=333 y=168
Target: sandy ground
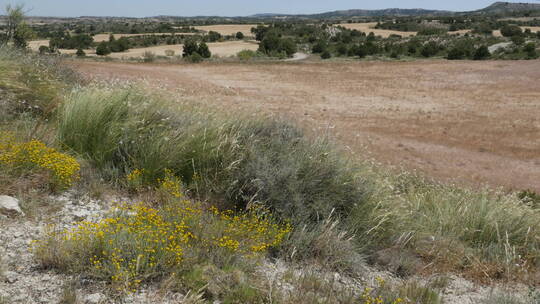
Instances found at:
x=461 y=121
x=228 y=29
x=221 y=49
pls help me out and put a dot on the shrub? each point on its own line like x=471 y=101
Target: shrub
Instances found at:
x=518 y=39
x=190 y=47
x=80 y=53
x=511 y=30
x=44 y=49
x=195 y=58
x=481 y=53
x=35 y=155
x=246 y=55
x=139 y=243
x=456 y=53
x=103 y=49
x=204 y=51
x=326 y=55
x=430 y=49
x=148 y=56
x=239 y=35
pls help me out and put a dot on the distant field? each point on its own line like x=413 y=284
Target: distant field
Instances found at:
x=105 y=37
x=222 y=49
x=454 y=120
x=369 y=27
x=228 y=29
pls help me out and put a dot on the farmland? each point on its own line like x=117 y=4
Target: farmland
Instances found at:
x=428 y=116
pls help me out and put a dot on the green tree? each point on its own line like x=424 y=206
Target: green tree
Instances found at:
x=204 y=51
x=511 y=30
x=103 y=49
x=481 y=53
x=326 y=55
x=190 y=47
x=239 y=35
x=80 y=53
x=16 y=29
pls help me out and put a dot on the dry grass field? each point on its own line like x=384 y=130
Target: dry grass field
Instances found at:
x=456 y=121
x=228 y=29
x=221 y=49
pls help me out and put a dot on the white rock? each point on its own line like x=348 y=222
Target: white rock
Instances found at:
x=94 y=298
x=10 y=206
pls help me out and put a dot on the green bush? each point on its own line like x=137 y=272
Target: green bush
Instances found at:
x=511 y=30
x=326 y=55
x=246 y=55
x=103 y=49
x=481 y=53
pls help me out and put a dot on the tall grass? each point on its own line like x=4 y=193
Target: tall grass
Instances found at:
x=229 y=160
x=483 y=232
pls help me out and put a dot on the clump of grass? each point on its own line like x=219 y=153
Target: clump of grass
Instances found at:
x=32 y=84
x=139 y=243
x=325 y=244
x=488 y=234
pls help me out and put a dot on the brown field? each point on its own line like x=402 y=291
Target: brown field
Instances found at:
x=228 y=29
x=221 y=49
x=105 y=37
x=463 y=121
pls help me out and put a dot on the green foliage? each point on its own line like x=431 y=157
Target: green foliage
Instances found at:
x=66 y=41
x=518 y=39
x=430 y=49
x=239 y=35
x=190 y=47
x=511 y=30
x=481 y=53
x=274 y=45
x=326 y=55
x=246 y=55
x=194 y=58
x=103 y=49
x=204 y=51
x=80 y=53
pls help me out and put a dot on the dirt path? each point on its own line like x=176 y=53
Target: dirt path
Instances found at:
x=463 y=121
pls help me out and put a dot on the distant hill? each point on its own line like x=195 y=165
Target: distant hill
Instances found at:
x=496 y=8
x=509 y=7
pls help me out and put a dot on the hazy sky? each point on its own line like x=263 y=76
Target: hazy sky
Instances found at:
x=142 y=8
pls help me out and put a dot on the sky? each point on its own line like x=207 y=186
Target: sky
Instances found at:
x=145 y=8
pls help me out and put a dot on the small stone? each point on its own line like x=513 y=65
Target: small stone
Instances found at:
x=10 y=206
x=94 y=298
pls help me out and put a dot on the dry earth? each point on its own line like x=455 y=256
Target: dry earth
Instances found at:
x=228 y=29
x=222 y=49
x=461 y=121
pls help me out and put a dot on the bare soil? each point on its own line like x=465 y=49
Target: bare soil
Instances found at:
x=473 y=123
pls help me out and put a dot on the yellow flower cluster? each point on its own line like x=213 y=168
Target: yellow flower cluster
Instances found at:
x=171 y=184
x=370 y=295
x=35 y=154
x=135 y=175
x=137 y=241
